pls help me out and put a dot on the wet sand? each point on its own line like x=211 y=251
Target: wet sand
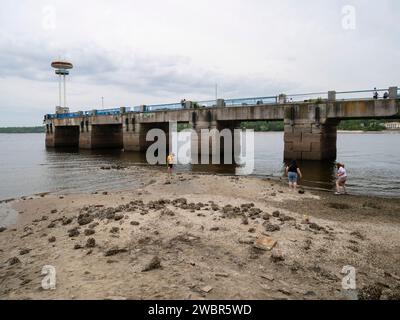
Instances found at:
x=202 y=237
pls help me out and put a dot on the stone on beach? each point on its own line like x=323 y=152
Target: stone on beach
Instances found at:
x=265 y=243
x=115 y=251
x=155 y=263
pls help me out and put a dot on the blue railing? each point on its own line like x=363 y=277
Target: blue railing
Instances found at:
x=108 y=112
x=301 y=97
x=159 y=107
x=291 y=98
x=68 y=115
x=132 y=109
x=207 y=104
x=250 y=101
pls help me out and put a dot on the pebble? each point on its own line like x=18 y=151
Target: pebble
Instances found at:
x=155 y=263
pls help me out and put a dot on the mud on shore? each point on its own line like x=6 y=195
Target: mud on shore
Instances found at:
x=202 y=237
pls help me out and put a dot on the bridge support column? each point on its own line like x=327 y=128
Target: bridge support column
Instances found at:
x=134 y=134
x=309 y=142
x=62 y=136
x=85 y=135
x=214 y=137
x=104 y=136
x=309 y=135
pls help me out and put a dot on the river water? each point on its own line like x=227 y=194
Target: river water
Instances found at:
x=26 y=167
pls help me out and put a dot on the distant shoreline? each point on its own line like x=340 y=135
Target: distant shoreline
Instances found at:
x=39 y=129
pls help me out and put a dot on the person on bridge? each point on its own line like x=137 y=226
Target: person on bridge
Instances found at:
x=170 y=163
x=293 y=172
x=376 y=94
x=341 y=178
x=385 y=95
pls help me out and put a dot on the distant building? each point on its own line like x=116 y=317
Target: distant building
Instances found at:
x=392 y=125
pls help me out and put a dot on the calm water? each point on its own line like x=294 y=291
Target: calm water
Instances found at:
x=26 y=167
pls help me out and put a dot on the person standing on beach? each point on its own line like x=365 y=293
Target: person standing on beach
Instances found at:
x=293 y=172
x=341 y=178
x=170 y=163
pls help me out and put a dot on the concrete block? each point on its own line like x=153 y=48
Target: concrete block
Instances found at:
x=331 y=96
x=220 y=103
x=393 y=92
x=312 y=155
x=312 y=137
x=301 y=147
x=290 y=155
x=305 y=128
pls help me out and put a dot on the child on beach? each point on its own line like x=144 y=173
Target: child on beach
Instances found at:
x=341 y=178
x=293 y=172
x=170 y=163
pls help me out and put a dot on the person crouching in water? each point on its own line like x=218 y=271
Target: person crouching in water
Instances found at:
x=341 y=178
x=170 y=163
x=293 y=172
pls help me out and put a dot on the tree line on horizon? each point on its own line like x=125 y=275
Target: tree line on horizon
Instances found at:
x=39 y=129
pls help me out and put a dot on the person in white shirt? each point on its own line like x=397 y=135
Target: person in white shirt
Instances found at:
x=341 y=178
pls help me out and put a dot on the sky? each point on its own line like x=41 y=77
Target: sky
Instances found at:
x=147 y=52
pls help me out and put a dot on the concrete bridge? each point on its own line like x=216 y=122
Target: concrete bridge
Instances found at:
x=310 y=125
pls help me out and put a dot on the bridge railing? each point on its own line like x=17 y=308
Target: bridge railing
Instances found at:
x=304 y=97
x=251 y=101
x=159 y=107
x=290 y=98
x=108 y=112
x=207 y=104
x=133 y=109
x=360 y=94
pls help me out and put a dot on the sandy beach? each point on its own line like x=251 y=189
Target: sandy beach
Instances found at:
x=201 y=237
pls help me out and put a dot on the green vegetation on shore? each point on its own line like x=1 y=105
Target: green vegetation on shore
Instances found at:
x=22 y=130
x=262 y=126
x=348 y=125
x=362 y=125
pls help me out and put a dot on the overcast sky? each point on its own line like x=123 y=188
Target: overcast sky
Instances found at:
x=143 y=52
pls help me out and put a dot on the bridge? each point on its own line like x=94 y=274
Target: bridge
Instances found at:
x=310 y=120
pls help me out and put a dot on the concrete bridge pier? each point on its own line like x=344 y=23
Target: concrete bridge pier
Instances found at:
x=85 y=134
x=62 y=136
x=219 y=136
x=134 y=133
x=99 y=136
x=309 y=135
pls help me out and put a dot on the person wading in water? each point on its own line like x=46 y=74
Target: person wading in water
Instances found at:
x=293 y=172
x=341 y=178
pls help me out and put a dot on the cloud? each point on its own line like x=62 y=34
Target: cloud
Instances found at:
x=135 y=52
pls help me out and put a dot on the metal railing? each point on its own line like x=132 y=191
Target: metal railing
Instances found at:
x=108 y=112
x=207 y=104
x=251 y=101
x=305 y=97
x=290 y=98
x=160 y=107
